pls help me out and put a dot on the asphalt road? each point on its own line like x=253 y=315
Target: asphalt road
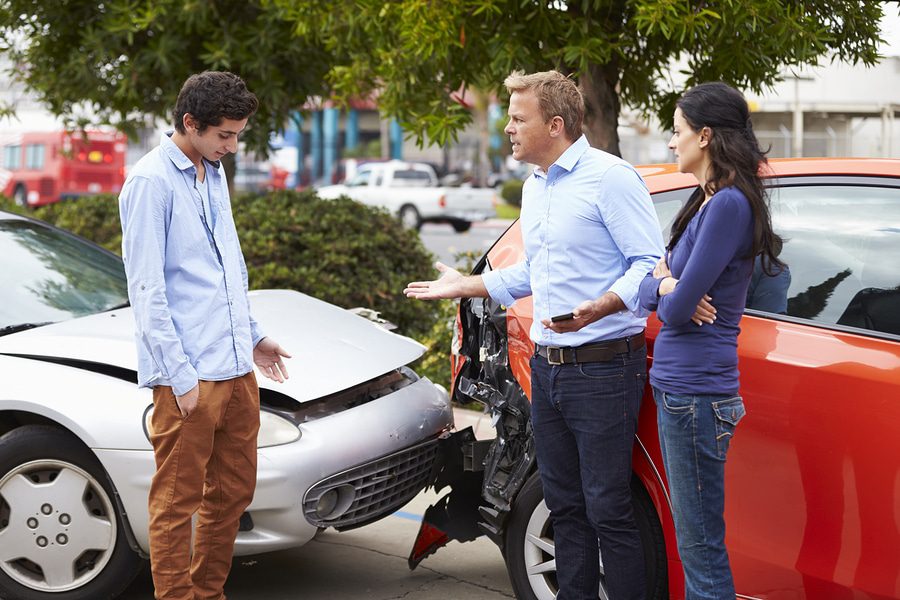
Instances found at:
x=446 y=243
x=365 y=564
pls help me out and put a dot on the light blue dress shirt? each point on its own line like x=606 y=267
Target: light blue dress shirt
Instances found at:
x=589 y=227
x=187 y=280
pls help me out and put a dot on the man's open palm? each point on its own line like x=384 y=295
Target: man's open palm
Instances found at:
x=268 y=358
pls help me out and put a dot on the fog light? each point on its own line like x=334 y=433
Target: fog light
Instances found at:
x=335 y=502
x=327 y=502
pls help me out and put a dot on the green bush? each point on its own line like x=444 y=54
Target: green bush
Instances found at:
x=511 y=192
x=435 y=363
x=339 y=250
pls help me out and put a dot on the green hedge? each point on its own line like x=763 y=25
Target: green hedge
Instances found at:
x=511 y=192
x=340 y=251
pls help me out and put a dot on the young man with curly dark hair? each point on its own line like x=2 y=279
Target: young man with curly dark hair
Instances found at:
x=196 y=340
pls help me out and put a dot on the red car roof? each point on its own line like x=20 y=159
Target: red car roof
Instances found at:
x=663 y=177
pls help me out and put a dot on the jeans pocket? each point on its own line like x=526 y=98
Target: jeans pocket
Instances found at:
x=610 y=371
x=677 y=404
x=728 y=413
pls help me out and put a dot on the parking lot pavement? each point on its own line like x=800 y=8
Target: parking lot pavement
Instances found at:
x=369 y=563
x=445 y=243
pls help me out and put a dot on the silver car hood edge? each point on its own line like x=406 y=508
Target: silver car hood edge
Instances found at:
x=332 y=349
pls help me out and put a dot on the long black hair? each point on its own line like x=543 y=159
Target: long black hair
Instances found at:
x=735 y=160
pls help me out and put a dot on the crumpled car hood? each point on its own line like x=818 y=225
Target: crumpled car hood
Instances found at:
x=332 y=349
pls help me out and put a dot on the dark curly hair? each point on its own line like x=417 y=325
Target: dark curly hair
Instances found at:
x=211 y=96
x=735 y=160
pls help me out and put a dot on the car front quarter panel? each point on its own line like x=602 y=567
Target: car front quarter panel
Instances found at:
x=102 y=411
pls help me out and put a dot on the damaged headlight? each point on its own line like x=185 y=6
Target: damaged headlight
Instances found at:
x=275 y=430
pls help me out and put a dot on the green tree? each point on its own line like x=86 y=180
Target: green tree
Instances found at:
x=124 y=58
x=418 y=52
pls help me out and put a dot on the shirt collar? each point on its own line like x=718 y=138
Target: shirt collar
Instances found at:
x=569 y=158
x=177 y=156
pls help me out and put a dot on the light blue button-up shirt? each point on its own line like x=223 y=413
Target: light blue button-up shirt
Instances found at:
x=187 y=280
x=589 y=227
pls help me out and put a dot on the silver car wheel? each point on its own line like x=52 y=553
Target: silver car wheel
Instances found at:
x=540 y=556
x=57 y=526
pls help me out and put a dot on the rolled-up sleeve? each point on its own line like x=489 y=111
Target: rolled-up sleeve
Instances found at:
x=628 y=214
x=508 y=285
x=144 y=215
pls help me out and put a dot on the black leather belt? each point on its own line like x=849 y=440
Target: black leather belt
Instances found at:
x=599 y=352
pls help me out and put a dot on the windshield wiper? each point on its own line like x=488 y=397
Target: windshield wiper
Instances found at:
x=22 y=327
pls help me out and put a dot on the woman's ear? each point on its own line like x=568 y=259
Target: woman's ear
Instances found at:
x=704 y=137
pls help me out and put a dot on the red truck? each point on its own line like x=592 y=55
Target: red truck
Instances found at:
x=42 y=167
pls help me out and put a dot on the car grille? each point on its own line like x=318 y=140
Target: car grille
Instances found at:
x=380 y=487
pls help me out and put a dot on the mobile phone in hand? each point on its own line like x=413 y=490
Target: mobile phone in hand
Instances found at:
x=563 y=317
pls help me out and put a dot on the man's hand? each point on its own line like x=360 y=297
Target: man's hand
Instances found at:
x=586 y=313
x=448 y=285
x=705 y=313
x=188 y=402
x=267 y=355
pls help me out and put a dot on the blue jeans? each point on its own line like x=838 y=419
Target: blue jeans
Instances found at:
x=694 y=433
x=584 y=418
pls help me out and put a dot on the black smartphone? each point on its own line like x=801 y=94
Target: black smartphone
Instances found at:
x=564 y=317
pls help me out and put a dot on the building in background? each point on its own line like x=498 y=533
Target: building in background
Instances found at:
x=833 y=110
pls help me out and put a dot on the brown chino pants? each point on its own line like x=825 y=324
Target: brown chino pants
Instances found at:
x=205 y=464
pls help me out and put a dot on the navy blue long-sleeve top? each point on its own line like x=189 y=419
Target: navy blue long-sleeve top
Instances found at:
x=711 y=257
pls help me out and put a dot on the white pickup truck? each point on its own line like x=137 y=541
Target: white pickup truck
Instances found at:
x=412 y=192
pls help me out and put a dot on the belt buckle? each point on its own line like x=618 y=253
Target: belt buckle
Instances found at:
x=559 y=353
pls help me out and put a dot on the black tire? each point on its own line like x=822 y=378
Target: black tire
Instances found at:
x=409 y=217
x=20 y=196
x=58 y=528
x=461 y=226
x=530 y=516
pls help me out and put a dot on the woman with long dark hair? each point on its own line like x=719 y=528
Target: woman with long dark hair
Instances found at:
x=699 y=290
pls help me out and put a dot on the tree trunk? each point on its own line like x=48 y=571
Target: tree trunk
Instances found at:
x=230 y=164
x=601 y=119
x=483 y=164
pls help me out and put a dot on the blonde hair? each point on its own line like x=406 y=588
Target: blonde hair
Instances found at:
x=557 y=96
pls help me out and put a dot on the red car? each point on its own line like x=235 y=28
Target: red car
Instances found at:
x=813 y=475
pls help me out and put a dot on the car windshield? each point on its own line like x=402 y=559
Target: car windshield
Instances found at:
x=51 y=276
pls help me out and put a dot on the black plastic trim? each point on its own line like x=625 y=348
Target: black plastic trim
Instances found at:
x=85 y=365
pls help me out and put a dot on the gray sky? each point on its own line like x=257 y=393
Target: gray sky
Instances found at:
x=890 y=26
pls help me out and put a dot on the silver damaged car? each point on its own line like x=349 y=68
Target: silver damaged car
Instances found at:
x=351 y=437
